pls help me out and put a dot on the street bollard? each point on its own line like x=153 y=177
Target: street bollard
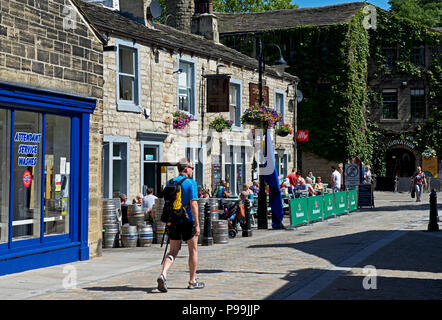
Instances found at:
x=432 y=225
x=207 y=235
x=247 y=230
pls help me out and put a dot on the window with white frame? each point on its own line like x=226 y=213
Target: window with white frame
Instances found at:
x=235 y=102
x=115 y=166
x=186 y=86
x=417 y=103
x=128 y=86
x=235 y=168
x=279 y=103
x=195 y=155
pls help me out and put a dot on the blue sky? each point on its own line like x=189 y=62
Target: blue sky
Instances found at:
x=319 y=3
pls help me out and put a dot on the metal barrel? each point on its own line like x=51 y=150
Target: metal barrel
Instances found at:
x=135 y=214
x=220 y=231
x=129 y=236
x=158 y=226
x=202 y=204
x=109 y=211
x=145 y=235
x=110 y=235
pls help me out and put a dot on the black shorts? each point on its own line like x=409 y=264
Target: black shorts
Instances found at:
x=182 y=230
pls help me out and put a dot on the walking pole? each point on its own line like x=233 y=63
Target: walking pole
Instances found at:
x=162 y=241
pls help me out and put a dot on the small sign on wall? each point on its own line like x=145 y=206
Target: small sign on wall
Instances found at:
x=302 y=135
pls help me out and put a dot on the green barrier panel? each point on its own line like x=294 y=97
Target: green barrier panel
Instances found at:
x=298 y=211
x=341 y=202
x=315 y=208
x=352 y=200
x=329 y=205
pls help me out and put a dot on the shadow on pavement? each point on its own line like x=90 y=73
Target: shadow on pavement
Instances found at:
x=409 y=267
x=126 y=289
x=210 y=271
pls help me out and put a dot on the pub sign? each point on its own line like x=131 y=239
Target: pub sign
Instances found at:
x=218 y=86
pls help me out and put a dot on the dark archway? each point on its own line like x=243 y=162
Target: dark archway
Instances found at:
x=401 y=162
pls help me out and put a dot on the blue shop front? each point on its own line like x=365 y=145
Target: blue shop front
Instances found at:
x=44 y=170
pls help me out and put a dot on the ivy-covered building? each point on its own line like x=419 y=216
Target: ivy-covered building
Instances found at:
x=371 y=82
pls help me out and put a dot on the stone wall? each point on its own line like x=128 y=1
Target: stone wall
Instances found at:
x=47 y=44
x=159 y=95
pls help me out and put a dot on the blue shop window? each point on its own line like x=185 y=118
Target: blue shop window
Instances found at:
x=44 y=161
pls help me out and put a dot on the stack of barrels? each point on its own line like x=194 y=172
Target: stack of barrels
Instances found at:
x=111 y=225
x=159 y=226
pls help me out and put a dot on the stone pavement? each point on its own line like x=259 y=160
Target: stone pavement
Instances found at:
x=333 y=259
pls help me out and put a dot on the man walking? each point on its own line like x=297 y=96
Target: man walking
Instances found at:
x=185 y=229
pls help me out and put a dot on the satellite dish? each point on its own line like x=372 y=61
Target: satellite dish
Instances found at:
x=299 y=95
x=155 y=9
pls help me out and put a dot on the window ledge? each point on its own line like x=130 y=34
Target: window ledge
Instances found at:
x=128 y=107
x=391 y=120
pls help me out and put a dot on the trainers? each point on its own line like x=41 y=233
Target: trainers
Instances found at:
x=162 y=283
x=195 y=285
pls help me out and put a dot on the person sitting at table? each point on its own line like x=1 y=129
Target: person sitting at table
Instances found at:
x=319 y=186
x=311 y=176
x=246 y=189
x=311 y=191
x=222 y=192
x=255 y=188
x=301 y=185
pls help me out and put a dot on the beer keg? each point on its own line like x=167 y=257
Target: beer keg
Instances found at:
x=220 y=231
x=135 y=214
x=145 y=234
x=109 y=212
x=110 y=235
x=129 y=236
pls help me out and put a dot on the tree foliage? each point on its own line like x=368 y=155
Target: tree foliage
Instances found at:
x=233 y=6
x=426 y=12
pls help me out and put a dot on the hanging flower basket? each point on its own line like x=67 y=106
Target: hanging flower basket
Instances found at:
x=428 y=153
x=181 y=119
x=261 y=116
x=283 y=130
x=219 y=124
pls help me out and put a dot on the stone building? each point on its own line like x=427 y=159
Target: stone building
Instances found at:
x=403 y=99
x=150 y=72
x=51 y=80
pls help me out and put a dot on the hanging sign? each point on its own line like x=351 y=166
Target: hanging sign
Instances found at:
x=254 y=94
x=430 y=165
x=27 y=178
x=218 y=89
x=302 y=135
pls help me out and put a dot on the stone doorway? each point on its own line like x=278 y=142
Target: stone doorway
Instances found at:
x=401 y=162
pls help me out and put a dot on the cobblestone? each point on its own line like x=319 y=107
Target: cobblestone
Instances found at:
x=325 y=260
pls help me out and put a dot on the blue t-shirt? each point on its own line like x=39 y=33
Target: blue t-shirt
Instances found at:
x=189 y=191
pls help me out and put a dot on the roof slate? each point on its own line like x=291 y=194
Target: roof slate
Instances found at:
x=112 y=22
x=278 y=19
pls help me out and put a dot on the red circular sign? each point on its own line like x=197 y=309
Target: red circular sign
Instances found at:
x=27 y=179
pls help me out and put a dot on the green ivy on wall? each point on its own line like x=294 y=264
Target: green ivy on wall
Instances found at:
x=403 y=34
x=332 y=63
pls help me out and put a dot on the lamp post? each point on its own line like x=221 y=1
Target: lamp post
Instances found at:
x=280 y=64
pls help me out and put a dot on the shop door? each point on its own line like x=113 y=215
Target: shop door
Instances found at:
x=40 y=175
